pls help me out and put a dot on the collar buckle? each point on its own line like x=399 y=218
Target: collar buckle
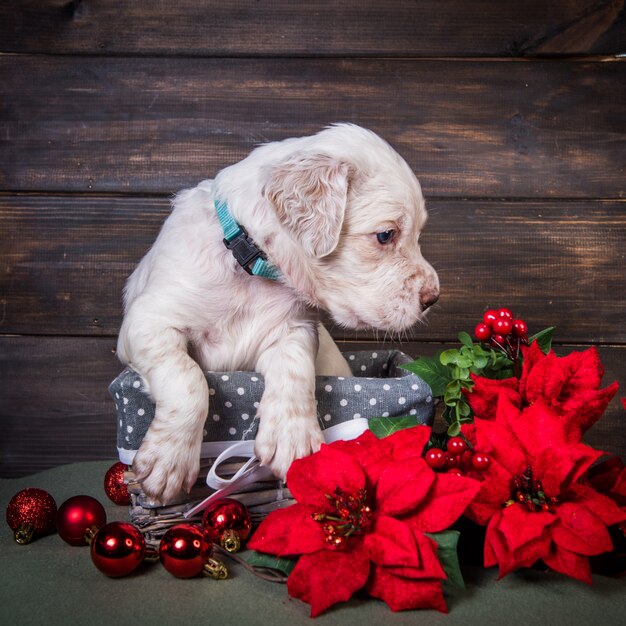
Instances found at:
x=245 y=251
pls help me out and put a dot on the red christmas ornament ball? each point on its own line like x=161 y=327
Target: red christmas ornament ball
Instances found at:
x=184 y=550
x=77 y=515
x=227 y=514
x=114 y=485
x=117 y=549
x=31 y=512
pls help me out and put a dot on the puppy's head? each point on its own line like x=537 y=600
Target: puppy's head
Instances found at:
x=355 y=211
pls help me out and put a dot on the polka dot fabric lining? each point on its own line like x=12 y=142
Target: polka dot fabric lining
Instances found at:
x=379 y=388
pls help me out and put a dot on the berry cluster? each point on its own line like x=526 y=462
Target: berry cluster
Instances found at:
x=528 y=491
x=458 y=458
x=353 y=516
x=503 y=332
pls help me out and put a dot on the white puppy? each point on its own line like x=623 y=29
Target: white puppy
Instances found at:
x=338 y=216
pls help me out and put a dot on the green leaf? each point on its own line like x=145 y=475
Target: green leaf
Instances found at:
x=464 y=362
x=447 y=357
x=544 y=338
x=461 y=373
x=454 y=387
x=269 y=561
x=480 y=362
x=463 y=408
x=465 y=339
x=454 y=429
x=448 y=557
x=432 y=372
x=385 y=426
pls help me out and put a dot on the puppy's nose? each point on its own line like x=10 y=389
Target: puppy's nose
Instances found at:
x=428 y=297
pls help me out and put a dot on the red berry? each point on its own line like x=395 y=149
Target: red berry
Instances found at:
x=482 y=332
x=466 y=459
x=504 y=312
x=520 y=328
x=498 y=339
x=490 y=317
x=481 y=461
x=455 y=470
x=452 y=460
x=456 y=446
x=435 y=458
x=503 y=326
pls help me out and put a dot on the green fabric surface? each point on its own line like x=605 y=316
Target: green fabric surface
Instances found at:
x=50 y=582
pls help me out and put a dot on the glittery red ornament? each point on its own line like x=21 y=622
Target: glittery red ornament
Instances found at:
x=76 y=516
x=184 y=550
x=114 y=485
x=30 y=513
x=117 y=549
x=230 y=520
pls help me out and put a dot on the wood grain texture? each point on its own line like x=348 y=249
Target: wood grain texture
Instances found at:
x=64 y=261
x=467 y=128
x=320 y=28
x=55 y=408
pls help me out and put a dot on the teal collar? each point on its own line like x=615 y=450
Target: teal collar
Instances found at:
x=237 y=240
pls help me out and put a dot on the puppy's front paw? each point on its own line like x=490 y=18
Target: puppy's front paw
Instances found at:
x=280 y=441
x=167 y=463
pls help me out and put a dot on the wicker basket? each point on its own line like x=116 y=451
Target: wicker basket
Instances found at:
x=379 y=387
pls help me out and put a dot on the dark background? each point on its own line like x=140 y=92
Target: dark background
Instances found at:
x=512 y=114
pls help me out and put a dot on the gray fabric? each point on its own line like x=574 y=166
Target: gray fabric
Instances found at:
x=378 y=388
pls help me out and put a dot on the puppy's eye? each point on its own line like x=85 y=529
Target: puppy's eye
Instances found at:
x=386 y=237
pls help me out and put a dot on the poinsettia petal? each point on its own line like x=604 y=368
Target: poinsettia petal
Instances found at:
x=584 y=369
x=580 y=531
x=371 y=453
x=495 y=491
x=521 y=526
x=566 y=562
x=560 y=467
x=402 y=486
x=500 y=443
x=390 y=542
x=288 y=532
x=484 y=395
x=409 y=443
x=312 y=478
x=584 y=408
x=532 y=355
x=446 y=501
x=546 y=379
x=402 y=594
x=324 y=578
x=603 y=507
x=603 y=476
x=429 y=557
x=429 y=565
x=538 y=427
x=497 y=548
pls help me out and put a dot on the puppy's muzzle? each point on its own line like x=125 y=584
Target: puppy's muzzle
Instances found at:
x=428 y=296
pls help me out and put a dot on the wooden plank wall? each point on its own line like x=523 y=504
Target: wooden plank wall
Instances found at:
x=511 y=114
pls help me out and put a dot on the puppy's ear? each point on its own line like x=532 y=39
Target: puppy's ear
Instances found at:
x=309 y=193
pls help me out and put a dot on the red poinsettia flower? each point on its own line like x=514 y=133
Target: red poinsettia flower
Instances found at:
x=363 y=508
x=532 y=499
x=570 y=385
